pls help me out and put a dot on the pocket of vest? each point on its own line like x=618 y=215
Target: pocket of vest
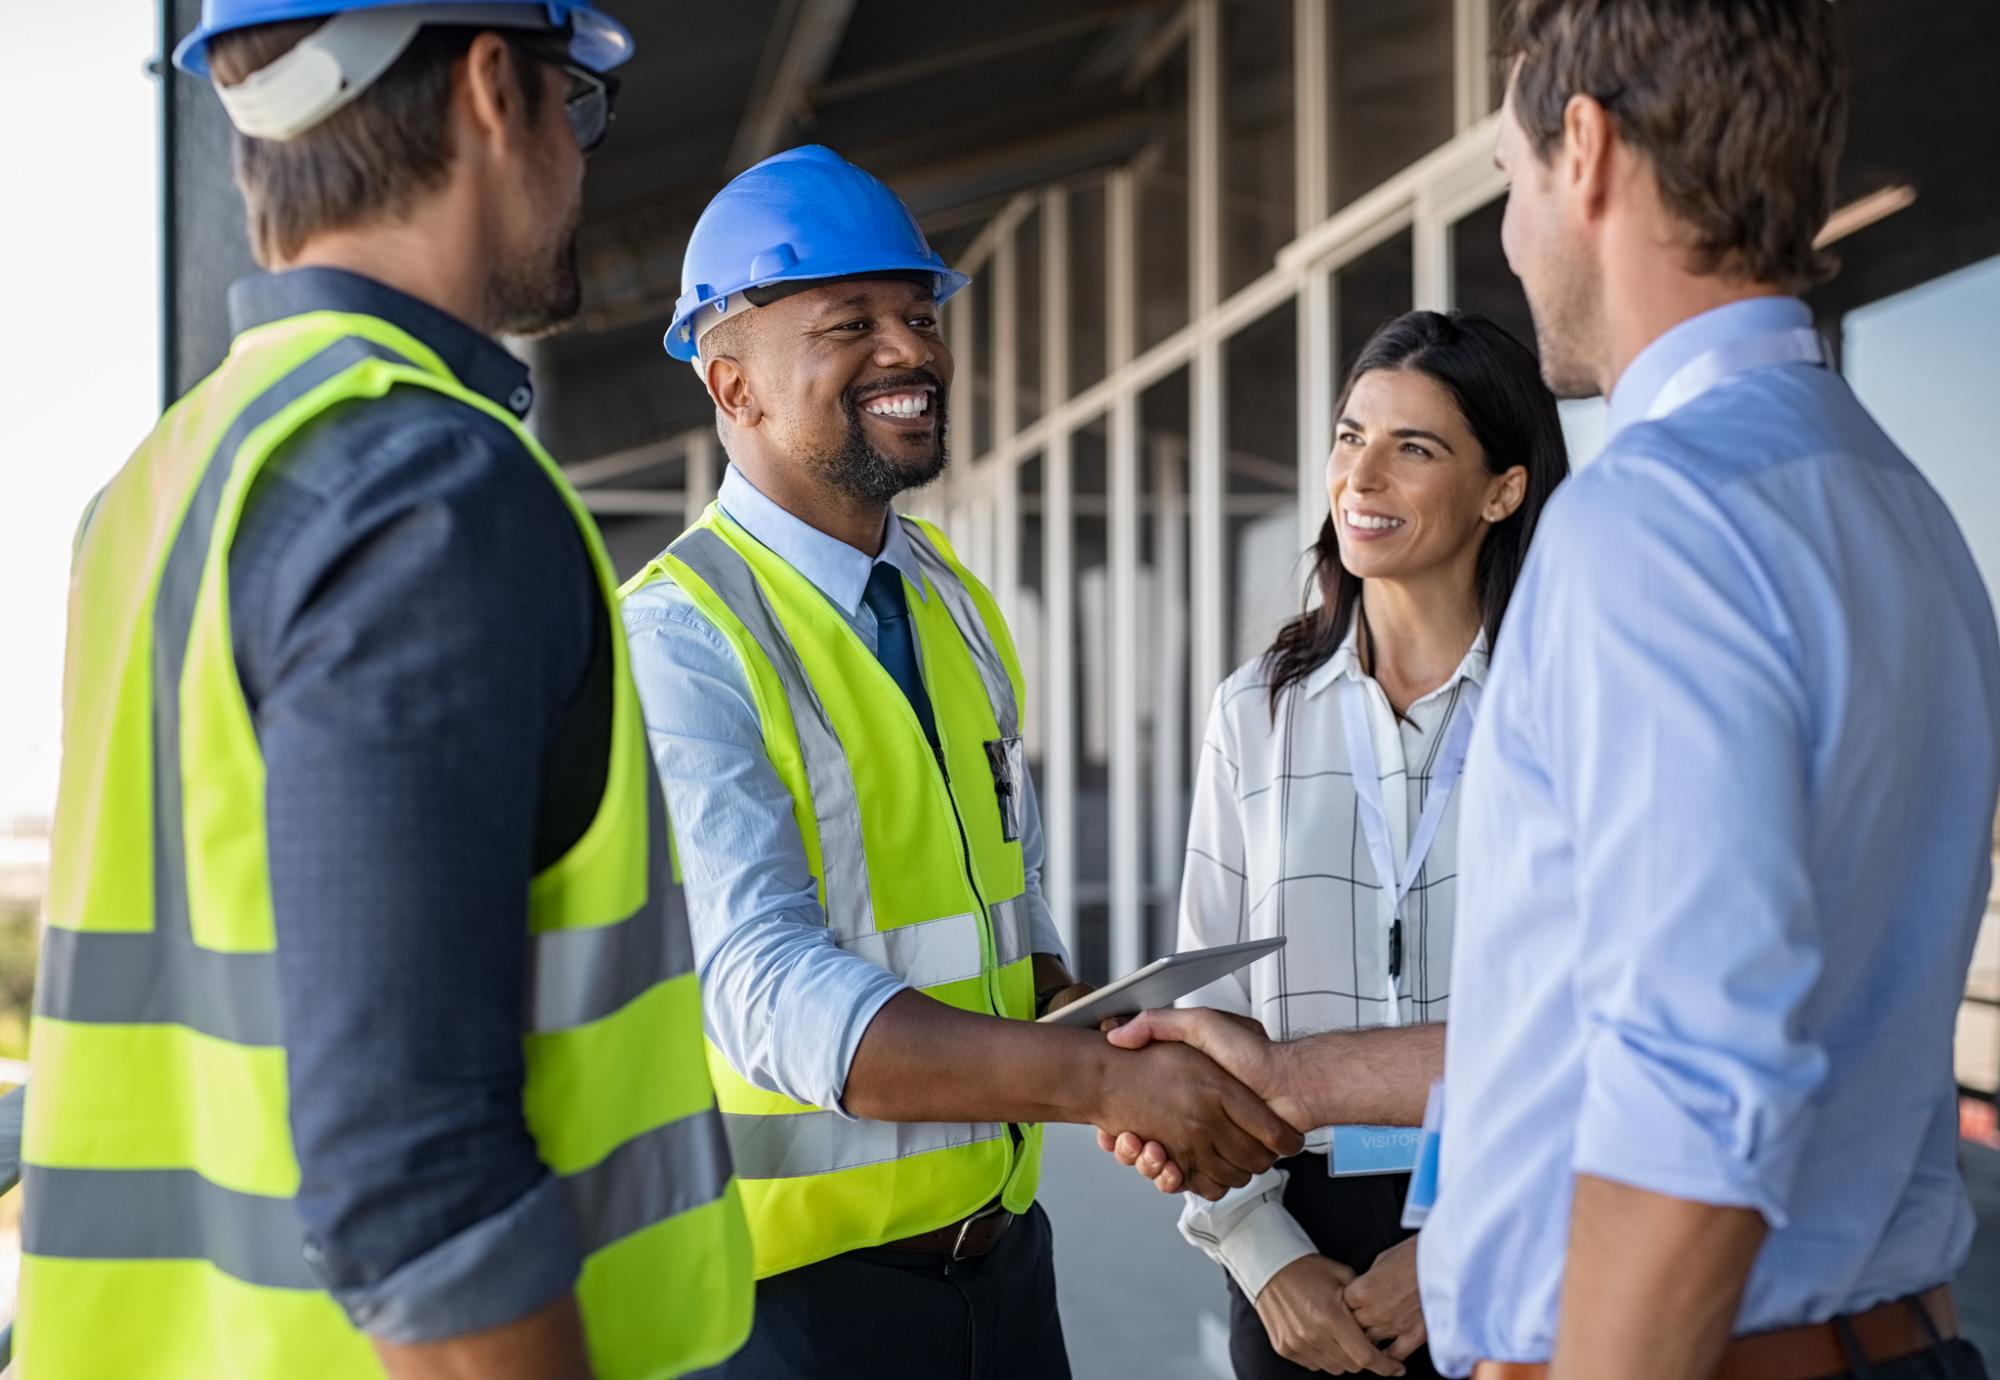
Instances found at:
x=1008 y=759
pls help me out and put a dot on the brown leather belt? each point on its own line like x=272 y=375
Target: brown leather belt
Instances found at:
x=965 y=1239
x=1884 y=1333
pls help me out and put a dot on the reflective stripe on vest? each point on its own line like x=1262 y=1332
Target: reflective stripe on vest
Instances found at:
x=157 y=1132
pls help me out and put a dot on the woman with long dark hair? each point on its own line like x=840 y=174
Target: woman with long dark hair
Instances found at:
x=1323 y=811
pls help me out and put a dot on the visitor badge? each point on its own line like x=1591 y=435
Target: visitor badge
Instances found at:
x=1372 y=1150
x=1424 y=1179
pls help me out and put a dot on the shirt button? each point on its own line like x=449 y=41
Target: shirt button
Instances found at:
x=521 y=399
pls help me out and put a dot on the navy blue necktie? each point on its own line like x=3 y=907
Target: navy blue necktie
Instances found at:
x=895 y=647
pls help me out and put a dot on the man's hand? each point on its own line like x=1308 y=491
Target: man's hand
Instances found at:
x=1385 y=1301
x=1306 y=1316
x=1051 y=973
x=1217 y=1131
x=1237 y=1043
x=1076 y=991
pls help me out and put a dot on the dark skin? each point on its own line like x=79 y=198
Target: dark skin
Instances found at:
x=787 y=380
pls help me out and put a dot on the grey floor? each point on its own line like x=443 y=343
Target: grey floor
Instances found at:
x=1139 y=1302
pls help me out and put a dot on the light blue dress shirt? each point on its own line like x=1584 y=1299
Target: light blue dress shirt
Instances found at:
x=780 y=998
x=1724 y=850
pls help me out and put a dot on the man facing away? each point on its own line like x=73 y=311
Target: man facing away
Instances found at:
x=367 y=1036
x=836 y=708
x=1726 y=832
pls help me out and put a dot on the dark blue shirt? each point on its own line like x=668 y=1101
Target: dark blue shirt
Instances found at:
x=426 y=654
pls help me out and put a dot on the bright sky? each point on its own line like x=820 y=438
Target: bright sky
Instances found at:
x=80 y=349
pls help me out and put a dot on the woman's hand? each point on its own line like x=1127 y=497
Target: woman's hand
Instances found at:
x=1306 y=1316
x=1385 y=1300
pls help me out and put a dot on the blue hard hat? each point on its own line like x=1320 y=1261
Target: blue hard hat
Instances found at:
x=597 y=41
x=800 y=215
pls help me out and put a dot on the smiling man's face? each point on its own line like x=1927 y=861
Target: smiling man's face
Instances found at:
x=853 y=378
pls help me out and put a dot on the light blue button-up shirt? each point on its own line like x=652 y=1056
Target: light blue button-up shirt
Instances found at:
x=781 y=999
x=1724 y=850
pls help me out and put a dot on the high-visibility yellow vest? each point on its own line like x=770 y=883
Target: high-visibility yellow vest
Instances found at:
x=918 y=872
x=160 y=1235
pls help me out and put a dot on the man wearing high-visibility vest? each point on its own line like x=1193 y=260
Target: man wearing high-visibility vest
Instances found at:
x=836 y=708
x=367 y=1038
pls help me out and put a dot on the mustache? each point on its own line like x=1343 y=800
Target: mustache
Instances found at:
x=895 y=383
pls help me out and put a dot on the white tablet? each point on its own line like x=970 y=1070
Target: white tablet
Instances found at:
x=1162 y=982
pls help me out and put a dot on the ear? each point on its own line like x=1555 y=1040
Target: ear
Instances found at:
x=489 y=83
x=1505 y=496
x=1589 y=143
x=730 y=389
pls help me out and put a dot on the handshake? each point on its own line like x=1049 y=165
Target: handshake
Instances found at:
x=1203 y=1102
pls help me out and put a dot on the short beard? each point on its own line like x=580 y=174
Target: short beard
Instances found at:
x=868 y=476
x=1562 y=336
x=542 y=292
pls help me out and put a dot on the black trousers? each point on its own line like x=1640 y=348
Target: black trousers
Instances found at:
x=1351 y=1220
x=897 y=1315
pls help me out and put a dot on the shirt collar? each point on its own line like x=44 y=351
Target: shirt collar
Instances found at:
x=475 y=360
x=1346 y=663
x=1644 y=378
x=837 y=570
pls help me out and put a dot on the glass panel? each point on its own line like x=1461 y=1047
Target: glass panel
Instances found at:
x=1259 y=198
x=1092 y=690
x=1390 y=62
x=974 y=395
x=1482 y=282
x=1029 y=625
x=1168 y=705
x=1903 y=354
x=1262 y=566
x=1028 y=320
x=1088 y=345
x=1163 y=209
x=1367 y=293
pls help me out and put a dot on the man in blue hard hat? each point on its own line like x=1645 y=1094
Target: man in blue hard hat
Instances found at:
x=367 y=1038
x=836 y=709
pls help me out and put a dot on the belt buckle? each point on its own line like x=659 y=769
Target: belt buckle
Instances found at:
x=965 y=1229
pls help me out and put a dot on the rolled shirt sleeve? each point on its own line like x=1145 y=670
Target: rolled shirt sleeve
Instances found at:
x=784 y=1003
x=1697 y=965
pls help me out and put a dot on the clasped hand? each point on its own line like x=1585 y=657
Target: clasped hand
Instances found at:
x=1221 y=1132
x=1235 y=1043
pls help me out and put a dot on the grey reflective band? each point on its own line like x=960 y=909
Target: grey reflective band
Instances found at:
x=971 y=628
x=850 y=910
x=794 y=1145
x=162 y=1214
x=176 y=1214
x=100 y=977
x=1013 y=930
x=927 y=954
x=584 y=974
x=159 y=976
x=669 y=1170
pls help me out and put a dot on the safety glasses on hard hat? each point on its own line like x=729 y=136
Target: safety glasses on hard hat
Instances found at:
x=590 y=104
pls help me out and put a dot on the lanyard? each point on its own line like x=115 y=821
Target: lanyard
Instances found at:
x=1375 y=816
x=1713 y=368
